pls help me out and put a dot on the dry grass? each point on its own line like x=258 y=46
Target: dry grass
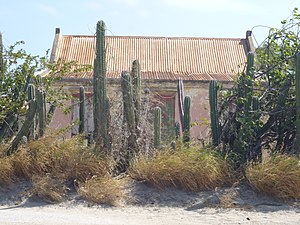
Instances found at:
x=49 y=189
x=279 y=176
x=102 y=190
x=190 y=168
x=67 y=159
x=7 y=175
x=50 y=163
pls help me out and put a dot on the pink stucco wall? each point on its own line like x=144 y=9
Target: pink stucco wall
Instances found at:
x=197 y=90
x=199 y=111
x=62 y=120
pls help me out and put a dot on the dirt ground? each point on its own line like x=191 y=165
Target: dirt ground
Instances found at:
x=146 y=205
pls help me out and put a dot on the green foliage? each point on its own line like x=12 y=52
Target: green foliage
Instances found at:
x=19 y=69
x=247 y=129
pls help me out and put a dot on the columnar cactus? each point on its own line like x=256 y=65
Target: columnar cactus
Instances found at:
x=297 y=84
x=157 y=127
x=255 y=103
x=32 y=93
x=248 y=85
x=214 y=114
x=81 y=110
x=1 y=55
x=127 y=92
x=177 y=130
x=187 y=119
x=41 y=110
x=180 y=92
x=101 y=101
x=136 y=90
x=28 y=122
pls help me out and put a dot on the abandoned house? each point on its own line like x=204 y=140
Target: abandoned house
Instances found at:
x=163 y=60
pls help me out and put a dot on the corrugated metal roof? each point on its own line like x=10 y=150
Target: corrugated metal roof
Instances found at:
x=167 y=58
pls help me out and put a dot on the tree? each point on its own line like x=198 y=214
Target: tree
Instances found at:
x=18 y=69
x=245 y=130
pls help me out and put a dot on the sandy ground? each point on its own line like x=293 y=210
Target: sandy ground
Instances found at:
x=146 y=205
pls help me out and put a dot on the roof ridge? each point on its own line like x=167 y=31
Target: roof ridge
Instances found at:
x=156 y=37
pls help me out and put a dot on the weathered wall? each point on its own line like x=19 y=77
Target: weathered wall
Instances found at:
x=197 y=90
x=61 y=120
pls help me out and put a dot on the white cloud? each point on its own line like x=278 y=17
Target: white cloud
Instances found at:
x=233 y=6
x=93 y=5
x=49 y=10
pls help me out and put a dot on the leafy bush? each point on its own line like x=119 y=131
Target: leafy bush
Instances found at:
x=279 y=176
x=190 y=168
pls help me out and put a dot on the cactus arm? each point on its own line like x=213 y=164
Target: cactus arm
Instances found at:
x=25 y=129
x=214 y=115
x=41 y=105
x=249 y=85
x=81 y=110
x=136 y=83
x=296 y=146
x=157 y=127
x=101 y=102
x=180 y=93
x=128 y=101
x=187 y=119
x=1 y=56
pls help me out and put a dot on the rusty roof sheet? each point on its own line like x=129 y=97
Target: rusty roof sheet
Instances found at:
x=166 y=58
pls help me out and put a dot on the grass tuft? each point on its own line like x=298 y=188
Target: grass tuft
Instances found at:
x=278 y=176
x=7 y=176
x=190 y=168
x=102 y=190
x=49 y=189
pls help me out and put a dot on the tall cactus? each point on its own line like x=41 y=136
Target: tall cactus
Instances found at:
x=24 y=131
x=136 y=90
x=214 y=114
x=255 y=103
x=128 y=101
x=101 y=101
x=297 y=83
x=248 y=82
x=81 y=110
x=41 y=110
x=180 y=92
x=1 y=55
x=157 y=127
x=187 y=119
x=32 y=93
x=177 y=130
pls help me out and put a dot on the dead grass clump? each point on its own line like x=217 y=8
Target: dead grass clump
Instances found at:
x=102 y=190
x=68 y=159
x=7 y=176
x=88 y=166
x=22 y=163
x=279 y=176
x=49 y=189
x=190 y=168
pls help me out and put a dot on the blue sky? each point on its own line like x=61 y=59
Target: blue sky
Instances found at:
x=35 y=21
